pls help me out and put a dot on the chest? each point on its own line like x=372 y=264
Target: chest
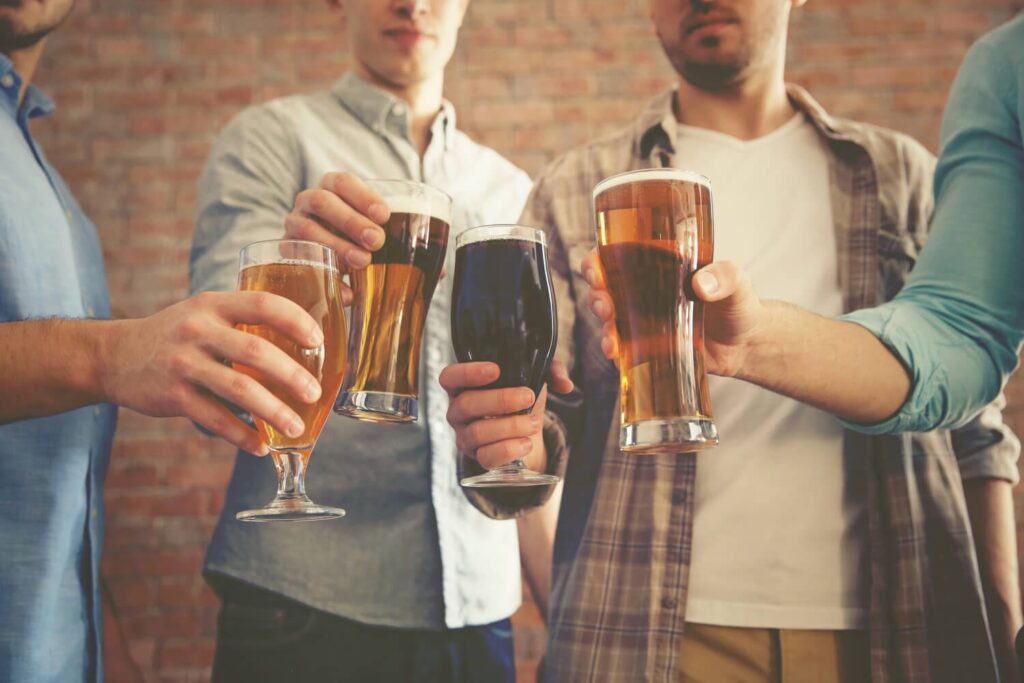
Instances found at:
x=50 y=258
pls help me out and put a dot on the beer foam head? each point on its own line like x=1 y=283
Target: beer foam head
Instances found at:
x=436 y=206
x=651 y=174
x=487 y=233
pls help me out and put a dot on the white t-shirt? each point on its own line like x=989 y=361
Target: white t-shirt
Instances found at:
x=779 y=537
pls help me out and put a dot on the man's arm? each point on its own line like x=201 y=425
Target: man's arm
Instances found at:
x=990 y=506
x=536 y=544
x=165 y=365
x=987 y=452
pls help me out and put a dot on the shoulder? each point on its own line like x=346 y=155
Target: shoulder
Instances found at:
x=278 y=119
x=895 y=156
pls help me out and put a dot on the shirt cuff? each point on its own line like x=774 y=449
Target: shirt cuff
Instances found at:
x=888 y=322
x=511 y=502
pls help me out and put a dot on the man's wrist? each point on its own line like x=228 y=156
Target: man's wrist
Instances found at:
x=96 y=341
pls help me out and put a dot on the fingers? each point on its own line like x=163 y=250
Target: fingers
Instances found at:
x=300 y=226
x=218 y=420
x=559 y=378
x=246 y=393
x=460 y=376
x=483 y=435
x=473 y=405
x=601 y=304
x=264 y=308
x=342 y=213
x=500 y=453
x=610 y=342
x=276 y=366
x=592 y=271
x=721 y=280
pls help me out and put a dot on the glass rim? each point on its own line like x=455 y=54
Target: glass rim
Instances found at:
x=645 y=174
x=331 y=258
x=440 y=194
x=501 y=231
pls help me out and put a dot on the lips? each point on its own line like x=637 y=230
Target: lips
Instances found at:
x=709 y=21
x=406 y=36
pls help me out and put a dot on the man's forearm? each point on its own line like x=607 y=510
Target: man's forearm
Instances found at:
x=838 y=367
x=536 y=543
x=990 y=506
x=50 y=366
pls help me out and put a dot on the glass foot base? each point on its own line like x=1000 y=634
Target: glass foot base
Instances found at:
x=509 y=476
x=300 y=509
x=681 y=435
x=376 y=406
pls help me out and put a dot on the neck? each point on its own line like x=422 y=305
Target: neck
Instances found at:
x=25 y=61
x=750 y=109
x=424 y=99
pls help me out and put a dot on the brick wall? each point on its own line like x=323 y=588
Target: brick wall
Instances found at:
x=143 y=88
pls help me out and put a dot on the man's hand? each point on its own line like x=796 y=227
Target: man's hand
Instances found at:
x=732 y=317
x=489 y=424
x=170 y=363
x=343 y=214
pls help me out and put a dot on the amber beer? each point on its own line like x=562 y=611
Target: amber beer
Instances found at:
x=392 y=296
x=317 y=289
x=654 y=229
x=307 y=274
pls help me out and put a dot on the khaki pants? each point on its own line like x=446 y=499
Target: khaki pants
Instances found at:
x=713 y=654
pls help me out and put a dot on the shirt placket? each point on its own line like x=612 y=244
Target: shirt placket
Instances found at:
x=433 y=401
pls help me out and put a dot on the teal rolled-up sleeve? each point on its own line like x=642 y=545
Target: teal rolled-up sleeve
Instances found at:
x=958 y=324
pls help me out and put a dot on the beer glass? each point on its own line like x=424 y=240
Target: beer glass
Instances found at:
x=654 y=230
x=306 y=273
x=503 y=311
x=390 y=306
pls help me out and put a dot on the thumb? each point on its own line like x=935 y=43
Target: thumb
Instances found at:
x=722 y=280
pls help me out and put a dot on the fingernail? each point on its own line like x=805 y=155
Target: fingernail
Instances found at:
x=295 y=428
x=316 y=336
x=490 y=372
x=358 y=259
x=526 y=397
x=600 y=308
x=525 y=445
x=378 y=212
x=588 y=275
x=373 y=238
x=535 y=421
x=312 y=390
x=707 y=282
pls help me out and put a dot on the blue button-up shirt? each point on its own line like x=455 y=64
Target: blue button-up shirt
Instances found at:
x=413 y=551
x=51 y=469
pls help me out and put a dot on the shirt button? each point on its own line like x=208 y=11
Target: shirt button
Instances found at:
x=68 y=214
x=7 y=80
x=96 y=411
x=668 y=603
x=90 y=311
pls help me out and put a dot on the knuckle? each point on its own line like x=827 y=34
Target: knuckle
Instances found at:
x=474 y=433
x=238 y=388
x=180 y=364
x=253 y=350
x=318 y=201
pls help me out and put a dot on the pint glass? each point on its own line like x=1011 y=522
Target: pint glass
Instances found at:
x=654 y=230
x=503 y=311
x=390 y=307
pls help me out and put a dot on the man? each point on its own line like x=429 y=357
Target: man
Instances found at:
x=798 y=547
x=62 y=364
x=415 y=583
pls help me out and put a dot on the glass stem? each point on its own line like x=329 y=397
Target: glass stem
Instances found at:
x=291 y=475
x=515 y=467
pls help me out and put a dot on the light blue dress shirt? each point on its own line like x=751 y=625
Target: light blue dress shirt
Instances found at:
x=412 y=552
x=958 y=325
x=51 y=469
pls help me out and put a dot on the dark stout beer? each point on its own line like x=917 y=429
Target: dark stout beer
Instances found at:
x=503 y=310
x=654 y=231
x=392 y=296
x=317 y=289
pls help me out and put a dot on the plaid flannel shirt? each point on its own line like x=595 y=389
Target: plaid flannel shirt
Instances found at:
x=623 y=546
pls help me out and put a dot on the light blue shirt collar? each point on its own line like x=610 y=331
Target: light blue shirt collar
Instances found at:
x=35 y=104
